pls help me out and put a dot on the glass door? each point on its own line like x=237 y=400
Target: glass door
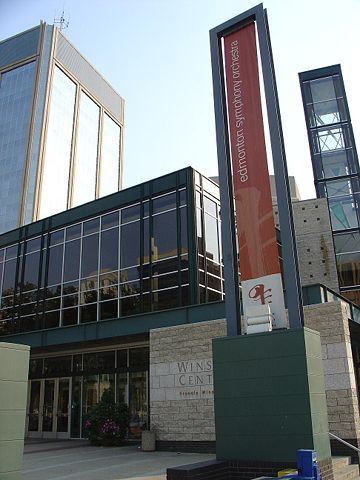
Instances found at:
x=34 y=415
x=49 y=408
x=63 y=408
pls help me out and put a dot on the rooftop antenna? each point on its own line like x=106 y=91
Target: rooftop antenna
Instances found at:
x=61 y=22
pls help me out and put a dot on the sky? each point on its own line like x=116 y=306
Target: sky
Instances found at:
x=156 y=55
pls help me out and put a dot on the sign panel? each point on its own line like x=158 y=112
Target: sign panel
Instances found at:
x=258 y=251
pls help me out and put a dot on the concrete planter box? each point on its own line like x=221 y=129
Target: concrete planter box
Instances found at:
x=14 y=367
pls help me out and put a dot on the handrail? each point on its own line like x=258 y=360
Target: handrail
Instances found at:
x=344 y=442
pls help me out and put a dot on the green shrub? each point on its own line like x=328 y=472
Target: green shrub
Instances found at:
x=107 y=422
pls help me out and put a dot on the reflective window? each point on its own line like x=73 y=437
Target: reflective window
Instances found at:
x=348 y=242
x=71 y=260
x=16 y=91
x=164 y=241
x=212 y=238
x=109 y=250
x=110 y=157
x=322 y=89
x=55 y=176
x=86 y=151
x=89 y=256
x=55 y=265
x=349 y=269
x=343 y=213
x=130 y=245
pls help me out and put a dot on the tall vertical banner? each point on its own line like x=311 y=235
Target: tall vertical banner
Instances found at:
x=258 y=252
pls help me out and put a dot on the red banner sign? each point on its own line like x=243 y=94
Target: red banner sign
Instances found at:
x=258 y=249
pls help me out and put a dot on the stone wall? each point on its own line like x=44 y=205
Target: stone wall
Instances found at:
x=181 y=381
x=331 y=320
x=181 y=400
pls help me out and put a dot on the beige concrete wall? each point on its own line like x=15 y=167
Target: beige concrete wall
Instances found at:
x=14 y=367
x=315 y=246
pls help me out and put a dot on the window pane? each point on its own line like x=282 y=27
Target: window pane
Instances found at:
x=109 y=251
x=343 y=213
x=325 y=113
x=164 y=235
x=9 y=277
x=322 y=89
x=165 y=299
x=146 y=241
x=99 y=362
x=165 y=281
x=110 y=157
x=91 y=226
x=58 y=145
x=130 y=305
x=55 y=265
x=166 y=202
x=340 y=187
x=110 y=220
x=183 y=225
x=130 y=244
x=31 y=271
x=349 y=269
x=69 y=316
x=56 y=237
x=334 y=164
x=139 y=357
x=130 y=214
x=89 y=257
x=86 y=151
x=122 y=358
x=72 y=260
x=122 y=388
x=108 y=309
x=73 y=232
x=349 y=242
x=88 y=313
x=33 y=245
x=211 y=238
x=16 y=91
x=131 y=288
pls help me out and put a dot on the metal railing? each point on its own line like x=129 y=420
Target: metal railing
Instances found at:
x=344 y=442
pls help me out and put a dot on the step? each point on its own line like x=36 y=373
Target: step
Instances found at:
x=343 y=470
x=340 y=462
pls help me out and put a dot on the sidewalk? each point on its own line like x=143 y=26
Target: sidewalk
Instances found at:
x=76 y=460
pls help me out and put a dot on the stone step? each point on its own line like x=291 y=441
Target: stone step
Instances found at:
x=343 y=470
x=340 y=462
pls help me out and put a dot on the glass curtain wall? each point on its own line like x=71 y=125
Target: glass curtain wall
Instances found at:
x=210 y=264
x=55 y=175
x=85 y=164
x=121 y=263
x=336 y=171
x=16 y=97
x=77 y=149
x=110 y=157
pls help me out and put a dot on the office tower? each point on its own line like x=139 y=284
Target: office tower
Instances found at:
x=60 y=128
x=336 y=167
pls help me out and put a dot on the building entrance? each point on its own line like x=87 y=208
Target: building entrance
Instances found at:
x=49 y=408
